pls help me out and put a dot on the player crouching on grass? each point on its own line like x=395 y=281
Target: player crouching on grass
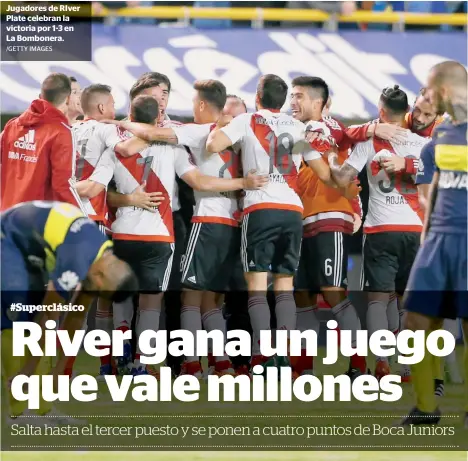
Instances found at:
x=52 y=241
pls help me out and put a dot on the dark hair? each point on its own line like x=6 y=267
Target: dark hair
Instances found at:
x=127 y=288
x=56 y=88
x=88 y=93
x=239 y=99
x=317 y=84
x=211 y=91
x=149 y=80
x=73 y=79
x=144 y=109
x=272 y=91
x=394 y=100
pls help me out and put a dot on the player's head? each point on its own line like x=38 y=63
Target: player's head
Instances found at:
x=447 y=88
x=153 y=84
x=271 y=92
x=424 y=113
x=111 y=278
x=208 y=101
x=74 y=109
x=393 y=105
x=308 y=98
x=56 y=89
x=97 y=102
x=234 y=106
x=144 y=109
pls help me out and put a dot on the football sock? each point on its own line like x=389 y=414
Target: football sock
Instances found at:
x=438 y=364
x=423 y=382
x=393 y=314
x=148 y=319
x=346 y=316
x=104 y=322
x=285 y=310
x=190 y=320
x=123 y=315
x=377 y=319
x=259 y=313
x=214 y=320
x=306 y=320
x=453 y=327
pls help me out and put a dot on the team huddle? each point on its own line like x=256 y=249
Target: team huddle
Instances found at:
x=273 y=194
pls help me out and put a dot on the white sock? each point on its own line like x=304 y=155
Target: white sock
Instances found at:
x=393 y=314
x=346 y=316
x=377 y=319
x=259 y=312
x=123 y=315
x=213 y=320
x=190 y=320
x=306 y=319
x=147 y=320
x=285 y=310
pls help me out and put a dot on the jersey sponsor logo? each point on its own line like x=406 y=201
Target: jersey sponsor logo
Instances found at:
x=22 y=157
x=78 y=224
x=68 y=280
x=452 y=180
x=27 y=141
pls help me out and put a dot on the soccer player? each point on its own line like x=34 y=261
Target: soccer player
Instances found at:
x=37 y=148
x=75 y=111
x=92 y=139
x=438 y=284
x=52 y=241
x=146 y=239
x=213 y=246
x=328 y=223
x=234 y=106
x=394 y=219
x=273 y=143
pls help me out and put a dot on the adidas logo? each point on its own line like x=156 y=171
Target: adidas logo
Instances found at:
x=192 y=279
x=27 y=141
x=251 y=264
x=345 y=281
x=367 y=283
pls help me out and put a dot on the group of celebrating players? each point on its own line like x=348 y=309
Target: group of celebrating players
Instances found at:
x=274 y=194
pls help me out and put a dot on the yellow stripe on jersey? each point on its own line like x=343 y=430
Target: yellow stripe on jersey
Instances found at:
x=451 y=158
x=61 y=217
x=105 y=246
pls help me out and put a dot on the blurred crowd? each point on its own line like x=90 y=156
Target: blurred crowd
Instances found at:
x=332 y=7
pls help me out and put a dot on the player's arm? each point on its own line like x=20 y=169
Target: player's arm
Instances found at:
x=146 y=132
x=425 y=173
x=200 y=182
x=139 y=198
x=223 y=137
x=431 y=202
x=347 y=172
x=61 y=157
x=386 y=131
x=115 y=140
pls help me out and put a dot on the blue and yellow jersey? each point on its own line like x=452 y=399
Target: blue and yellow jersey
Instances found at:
x=447 y=153
x=57 y=238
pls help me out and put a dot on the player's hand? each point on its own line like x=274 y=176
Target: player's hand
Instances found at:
x=357 y=223
x=351 y=191
x=390 y=132
x=223 y=121
x=253 y=181
x=147 y=200
x=393 y=164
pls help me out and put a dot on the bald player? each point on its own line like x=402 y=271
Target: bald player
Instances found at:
x=437 y=287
